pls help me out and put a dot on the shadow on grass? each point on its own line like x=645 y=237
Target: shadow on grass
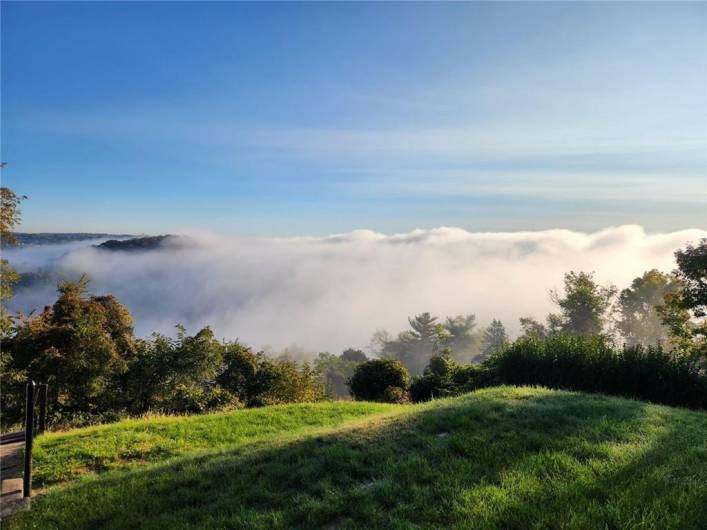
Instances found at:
x=539 y=459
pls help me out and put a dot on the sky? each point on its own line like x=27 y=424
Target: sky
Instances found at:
x=280 y=119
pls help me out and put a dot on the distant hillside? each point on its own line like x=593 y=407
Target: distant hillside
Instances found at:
x=52 y=238
x=143 y=243
x=30 y=279
x=497 y=458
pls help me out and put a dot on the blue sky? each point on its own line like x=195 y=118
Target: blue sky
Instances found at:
x=279 y=119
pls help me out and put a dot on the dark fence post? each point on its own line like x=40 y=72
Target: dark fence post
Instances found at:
x=29 y=438
x=43 y=390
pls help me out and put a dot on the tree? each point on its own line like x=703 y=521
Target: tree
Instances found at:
x=461 y=338
x=424 y=327
x=531 y=328
x=494 y=339
x=639 y=320
x=690 y=301
x=10 y=215
x=284 y=381
x=427 y=337
x=240 y=366
x=371 y=379
x=436 y=380
x=351 y=355
x=441 y=365
x=8 y=278
x=679 y=322
x=336 y=371
x=9 y=219
x=583 y=307
x=555 y=324
x=413 y=347
x=80 y=346
x=175 y=374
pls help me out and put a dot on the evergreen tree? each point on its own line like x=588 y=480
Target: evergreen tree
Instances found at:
x=461 y=338
x=494 y=339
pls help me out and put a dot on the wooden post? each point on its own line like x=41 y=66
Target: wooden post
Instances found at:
x=43 y=390
x=29 y=438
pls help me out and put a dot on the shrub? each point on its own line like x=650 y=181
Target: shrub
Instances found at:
x=175 y=375
x=443 y=377
x=284 y=381
x=473 y=376
x=240 y=366
x=425 y=387
x=590 y=364
x=372 y=378
x=395 y=394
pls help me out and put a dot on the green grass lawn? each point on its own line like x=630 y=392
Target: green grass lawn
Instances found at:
x=497 y=458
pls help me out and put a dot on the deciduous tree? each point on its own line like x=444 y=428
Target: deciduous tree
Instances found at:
x=584 y=305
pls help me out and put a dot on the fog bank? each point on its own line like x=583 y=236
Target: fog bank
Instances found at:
x=328 y=293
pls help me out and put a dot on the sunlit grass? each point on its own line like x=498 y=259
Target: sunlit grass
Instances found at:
x=498 y=458
x=59 y=457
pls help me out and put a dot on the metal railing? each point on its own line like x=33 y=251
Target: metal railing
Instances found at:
x=34 y=393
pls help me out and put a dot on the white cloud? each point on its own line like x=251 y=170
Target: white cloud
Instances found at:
x=332 y=292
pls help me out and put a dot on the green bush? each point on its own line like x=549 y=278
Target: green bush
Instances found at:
x=591 y=364
x=280 y=381
x=395 y=394
x=473 y=376
x=426 y=387
x=174 y=375
x=372 y=378
x=239 y=370
x=443 y=377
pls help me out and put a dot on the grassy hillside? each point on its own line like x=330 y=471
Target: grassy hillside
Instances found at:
x=498 y=458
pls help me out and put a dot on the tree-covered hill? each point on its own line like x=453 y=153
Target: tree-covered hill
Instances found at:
x=144 y=243
x=50 y=238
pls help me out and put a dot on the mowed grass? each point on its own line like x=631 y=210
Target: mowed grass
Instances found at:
x=497 y=458
x=62 y=456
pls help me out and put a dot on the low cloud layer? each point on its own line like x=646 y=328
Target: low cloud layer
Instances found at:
x=333 y=292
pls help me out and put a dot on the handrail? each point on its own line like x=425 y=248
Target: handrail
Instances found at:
x=29 y=439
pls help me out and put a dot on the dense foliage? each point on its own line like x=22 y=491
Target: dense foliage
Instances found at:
x=685 y=310
x=591 y=364
x=639 y=319
x=377 y=379
x=426 y=337
x=584 y=305
x=494 y=339
x=337 y=370
x=9 y=218
x=444 y=377
x=84 y=348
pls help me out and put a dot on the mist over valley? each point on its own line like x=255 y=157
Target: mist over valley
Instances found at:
x=312 y=294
